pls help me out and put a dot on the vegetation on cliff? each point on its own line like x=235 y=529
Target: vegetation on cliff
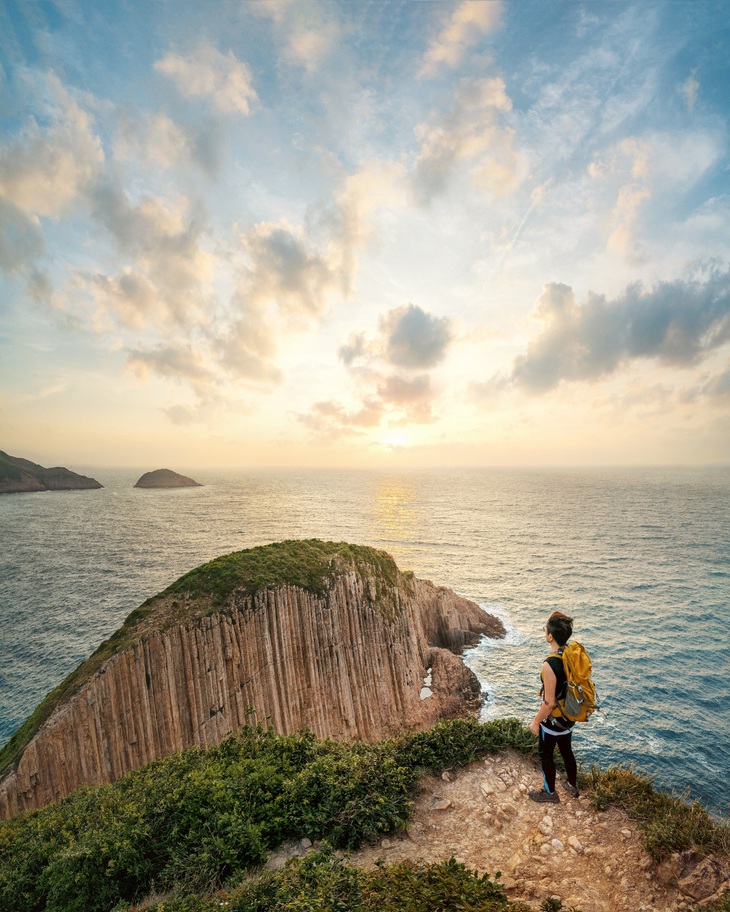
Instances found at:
x=19 y=476
x=310 y=564
x=228 y=583
x=194 y=826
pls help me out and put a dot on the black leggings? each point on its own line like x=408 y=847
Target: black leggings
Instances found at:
x=547 y=750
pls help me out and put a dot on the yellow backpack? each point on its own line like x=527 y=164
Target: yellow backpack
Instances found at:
x=580 y=698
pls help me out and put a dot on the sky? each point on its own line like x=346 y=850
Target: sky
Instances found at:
x=365 y=233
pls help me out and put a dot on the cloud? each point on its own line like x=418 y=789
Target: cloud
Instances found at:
x=469 y=134
x=21 y=239
x=247 y=349
x=413 y=338
x=677 y=323
x=155 y=137
x=300 y=269
x=170 y=267
x=631 y=160
x=221 y=79
x=718 y=386
x=170 y=362
x=354 y=348
x=48 y=168
x=346 y=224
x=469 y=21
x=286 y=269
x=131 y=297
x=308 y=32
x=309 y=47
x=412 y=395
x=409 y=339
x=45 y=393
x=330 y=420
x=182 y=414
x=283 y=278
x=181 y=363
x=690 y=90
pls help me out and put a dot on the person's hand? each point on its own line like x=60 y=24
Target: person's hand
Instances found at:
x=535 y=727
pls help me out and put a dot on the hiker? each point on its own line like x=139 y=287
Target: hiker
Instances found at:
x=550 y=729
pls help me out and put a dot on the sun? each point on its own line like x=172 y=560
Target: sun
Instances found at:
x=395 y=440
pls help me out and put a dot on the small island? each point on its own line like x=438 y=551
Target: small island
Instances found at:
x=20 y=476
x=164 y=478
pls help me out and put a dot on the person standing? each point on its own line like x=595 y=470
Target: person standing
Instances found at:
x=554 y=730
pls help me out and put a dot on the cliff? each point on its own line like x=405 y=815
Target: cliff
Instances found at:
x=22 y=476
x=165 y=478
x=331 y=637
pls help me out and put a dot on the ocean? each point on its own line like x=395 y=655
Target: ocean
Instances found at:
x=640 y=558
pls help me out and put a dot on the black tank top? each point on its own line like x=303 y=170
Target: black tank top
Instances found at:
x=561 y=681
x=556 y=723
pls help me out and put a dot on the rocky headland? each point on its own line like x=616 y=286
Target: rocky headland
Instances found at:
x=165 y=478
x=310 y=634
x=18 y=476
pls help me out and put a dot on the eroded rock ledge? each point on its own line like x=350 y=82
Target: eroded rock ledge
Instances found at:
x=331 y=637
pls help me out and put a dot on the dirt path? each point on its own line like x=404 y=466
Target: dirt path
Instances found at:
x=482 y=817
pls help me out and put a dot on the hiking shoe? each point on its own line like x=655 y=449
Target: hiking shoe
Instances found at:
x=540 y=795
x=572 y=790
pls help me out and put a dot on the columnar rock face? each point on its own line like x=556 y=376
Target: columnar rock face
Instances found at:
x=348 y=663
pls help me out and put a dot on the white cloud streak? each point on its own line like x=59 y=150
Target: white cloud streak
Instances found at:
x=222 y=79
x=48 y=168
x=470 y=133
x=467 y=25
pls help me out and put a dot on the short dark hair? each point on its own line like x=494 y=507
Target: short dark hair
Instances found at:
x=560 y=626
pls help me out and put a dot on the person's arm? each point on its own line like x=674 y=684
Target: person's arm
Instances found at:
x=548 y=700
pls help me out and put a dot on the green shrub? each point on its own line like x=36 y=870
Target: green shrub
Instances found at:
x=322 y=882
x=669 y=823
x=459 y=742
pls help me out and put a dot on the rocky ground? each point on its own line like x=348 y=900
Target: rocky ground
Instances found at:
x=481 y=815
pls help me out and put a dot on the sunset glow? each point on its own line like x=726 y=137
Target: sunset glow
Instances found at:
x=352 y=234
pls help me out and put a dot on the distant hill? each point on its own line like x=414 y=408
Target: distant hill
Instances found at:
x=21 y=475
x=164 y=478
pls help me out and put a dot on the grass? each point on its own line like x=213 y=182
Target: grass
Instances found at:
x=312 y=565
x=227 y=583
x=668 y=822
x=324 y=882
